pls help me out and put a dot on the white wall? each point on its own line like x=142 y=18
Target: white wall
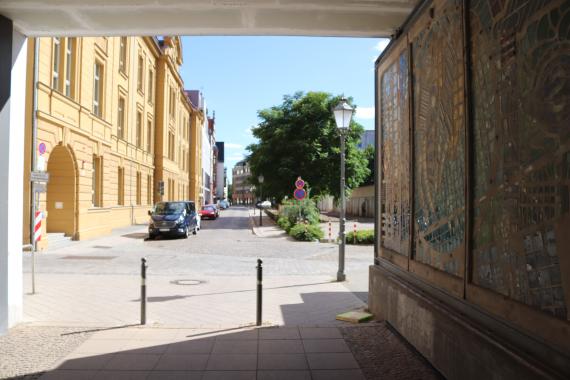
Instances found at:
x=220 y=176
x=12 y=121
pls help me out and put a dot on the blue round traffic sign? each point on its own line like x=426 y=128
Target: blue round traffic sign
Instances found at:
x=299 y=194
x=42 y=148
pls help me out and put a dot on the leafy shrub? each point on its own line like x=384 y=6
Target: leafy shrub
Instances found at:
x=362 y=237
x=300 y=211
x=306 y=232
x=284 y=223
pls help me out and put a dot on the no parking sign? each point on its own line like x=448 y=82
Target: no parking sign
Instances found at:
x=299 y=192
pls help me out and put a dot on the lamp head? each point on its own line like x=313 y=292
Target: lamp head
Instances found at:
x=343 y=114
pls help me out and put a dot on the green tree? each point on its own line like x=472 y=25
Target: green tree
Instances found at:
x=299 y=138
x=370 y=155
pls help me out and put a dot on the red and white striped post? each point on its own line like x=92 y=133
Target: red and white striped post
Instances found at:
x=354 y=234
x=38 y=227
x=37 y=237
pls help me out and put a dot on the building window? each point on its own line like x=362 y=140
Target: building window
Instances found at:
x=96 y=181
x=121 y=186
x=172 y=106
x=121 y=118
x=171 y=145
x=150 y=86
x=98 y=89
x=149 y=189
x=140 y=85
x=139 y=130
x=69 y=66
x=149 y=136
x=56 y=63
x=123 y=55
x=139 y=183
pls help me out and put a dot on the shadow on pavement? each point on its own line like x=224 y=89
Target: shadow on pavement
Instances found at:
x=177 y=297
x=292 y=351
x=136 y=235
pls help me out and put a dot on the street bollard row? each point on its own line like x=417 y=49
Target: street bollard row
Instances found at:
x=259 y=268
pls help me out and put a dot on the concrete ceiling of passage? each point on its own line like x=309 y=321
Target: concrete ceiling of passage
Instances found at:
x=349 y=18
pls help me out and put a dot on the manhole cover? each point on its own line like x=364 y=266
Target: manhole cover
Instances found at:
x=187 y=282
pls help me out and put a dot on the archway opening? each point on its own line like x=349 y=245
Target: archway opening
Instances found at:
x=61 y=192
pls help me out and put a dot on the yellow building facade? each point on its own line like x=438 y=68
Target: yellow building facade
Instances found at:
x=115 y=122
x=172 y=156
x=196 y=122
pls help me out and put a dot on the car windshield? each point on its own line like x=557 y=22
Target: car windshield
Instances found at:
x=208 y=208
x=169 y=208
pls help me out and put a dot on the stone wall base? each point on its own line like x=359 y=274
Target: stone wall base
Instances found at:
x=457 y=346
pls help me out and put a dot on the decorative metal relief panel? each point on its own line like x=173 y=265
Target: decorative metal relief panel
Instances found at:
x=395 y=198
x=521 y=128
x=439 y=142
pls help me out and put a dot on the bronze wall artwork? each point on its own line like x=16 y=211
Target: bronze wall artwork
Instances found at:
x=439 y=142
x=521 y=125
x=395 y=157
x=513 y=147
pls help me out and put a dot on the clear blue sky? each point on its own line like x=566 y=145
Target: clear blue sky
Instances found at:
x=241 y=75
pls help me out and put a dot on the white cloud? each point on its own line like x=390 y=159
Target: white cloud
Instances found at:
x=365 y=113
x=233 y=146
x=381 y=45
x=235 y=157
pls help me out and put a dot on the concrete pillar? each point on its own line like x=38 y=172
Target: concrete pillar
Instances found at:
x=12 y=121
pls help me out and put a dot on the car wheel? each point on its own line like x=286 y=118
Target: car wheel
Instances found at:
x=195 y=231
x=151 y=236
x=186 y=233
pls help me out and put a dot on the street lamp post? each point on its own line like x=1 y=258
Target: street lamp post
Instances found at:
x=342 y=114
x=260 y=179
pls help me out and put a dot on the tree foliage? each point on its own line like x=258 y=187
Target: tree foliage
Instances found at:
x=370 y=155
x=299 y=138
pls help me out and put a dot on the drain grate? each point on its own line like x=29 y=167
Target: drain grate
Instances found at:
x=88 y=257
x=187 y=282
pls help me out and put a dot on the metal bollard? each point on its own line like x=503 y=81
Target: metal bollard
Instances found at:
x=143 y=291
x=330 y=232
x=259 y=289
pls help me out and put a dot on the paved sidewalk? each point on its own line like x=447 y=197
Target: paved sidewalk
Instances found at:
x=268 y=229
x=266 y=353
x=205 y=302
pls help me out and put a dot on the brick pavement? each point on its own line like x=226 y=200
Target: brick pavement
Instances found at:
x=111 y=300
x=253 y=353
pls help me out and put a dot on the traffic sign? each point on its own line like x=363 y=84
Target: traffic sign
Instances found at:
x=299 y=183
x=42 y=148
x=36 y=176
x=40 y=187
x=299 y=194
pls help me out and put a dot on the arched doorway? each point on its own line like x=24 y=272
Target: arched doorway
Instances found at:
x=61 y=192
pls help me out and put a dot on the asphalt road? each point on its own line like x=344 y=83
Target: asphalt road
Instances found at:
x=223 y=247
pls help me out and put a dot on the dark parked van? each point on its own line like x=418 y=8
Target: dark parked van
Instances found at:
x=173 y=218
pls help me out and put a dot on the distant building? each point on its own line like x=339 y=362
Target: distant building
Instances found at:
x=242 y=188
x=367 y=139
x=219 y=173
x=198 y=116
